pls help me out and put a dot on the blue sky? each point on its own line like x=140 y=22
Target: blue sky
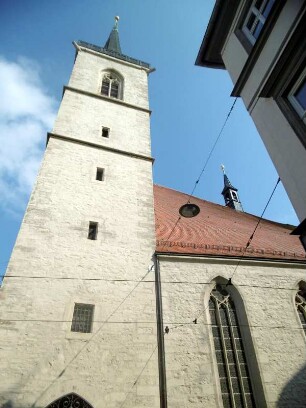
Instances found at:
x=189 y=103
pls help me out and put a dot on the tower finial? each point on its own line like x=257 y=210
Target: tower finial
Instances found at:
x=117 y=18
x=113 y=43
x=223 y=168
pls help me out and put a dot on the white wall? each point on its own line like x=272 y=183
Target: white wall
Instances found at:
x=267 y=290
x=58 y=266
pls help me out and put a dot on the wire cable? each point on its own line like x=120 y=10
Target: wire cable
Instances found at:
x=252 y=235
x=140 y=374
x=92 y=337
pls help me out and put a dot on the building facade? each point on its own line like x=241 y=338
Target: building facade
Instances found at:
x=262 y=45
x=111 y=300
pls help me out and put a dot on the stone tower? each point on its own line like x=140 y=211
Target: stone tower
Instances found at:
x=78 y=303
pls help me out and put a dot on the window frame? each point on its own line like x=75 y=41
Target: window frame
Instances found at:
x=228 y=346
x=301 y=302
x=259 y=18
x=293 y=100
x=113 y=78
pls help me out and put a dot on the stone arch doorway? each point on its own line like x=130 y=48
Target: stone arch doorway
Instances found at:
x=71 y=400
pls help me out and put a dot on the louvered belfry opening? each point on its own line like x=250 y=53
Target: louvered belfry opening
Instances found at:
x=232 y=365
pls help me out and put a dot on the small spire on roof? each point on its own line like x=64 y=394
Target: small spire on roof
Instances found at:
x=230 y=193
x=113 y=43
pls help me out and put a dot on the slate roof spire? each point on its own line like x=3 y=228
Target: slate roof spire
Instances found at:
x=230 y=193
x=113 y=43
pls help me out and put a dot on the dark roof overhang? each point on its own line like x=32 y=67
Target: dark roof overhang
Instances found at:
x=217 y=30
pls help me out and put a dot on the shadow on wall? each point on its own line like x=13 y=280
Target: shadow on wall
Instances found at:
x=8 y=404
x=294 y=393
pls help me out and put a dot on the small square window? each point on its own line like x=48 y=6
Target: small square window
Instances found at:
x=82 y=318
x=105 y=132
x=93 y=230
x=100 y=174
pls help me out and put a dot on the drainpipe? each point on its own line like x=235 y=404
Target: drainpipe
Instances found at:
x=160 y=337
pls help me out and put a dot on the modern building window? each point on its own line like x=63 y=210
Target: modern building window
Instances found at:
x=256 y=18
x=92 y=230
x=233 y=370
x=82 y=318
x=105 y=131
x=300 y=303
x=70 y=400
x=111 y=85
x=100 y=174
x=297 y=96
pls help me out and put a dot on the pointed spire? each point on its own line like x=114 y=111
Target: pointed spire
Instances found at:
x=230 y=193
x=113 y=43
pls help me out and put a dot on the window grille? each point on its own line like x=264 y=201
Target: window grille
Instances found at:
x=70 y=401
x=300 y=303
x=233 y=371
x=256 y=18
x=111 y=86
x=82 y=318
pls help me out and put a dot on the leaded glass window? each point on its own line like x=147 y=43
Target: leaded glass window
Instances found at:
x=70 y=401
x=233 y=370
x=82 y=318
x=111 y=86
x=300 y=303
x=256 y=18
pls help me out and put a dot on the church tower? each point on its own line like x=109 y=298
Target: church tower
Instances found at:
x=78 y=301
x=230 y=193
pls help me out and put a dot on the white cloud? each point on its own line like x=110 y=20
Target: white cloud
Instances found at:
x=27 y=112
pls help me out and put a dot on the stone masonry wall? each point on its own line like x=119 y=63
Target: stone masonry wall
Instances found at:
x=267 y=290
x=54 y=265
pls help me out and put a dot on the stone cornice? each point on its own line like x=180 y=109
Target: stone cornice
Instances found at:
x=106 y=98
x=98 y=146
x=228 y=251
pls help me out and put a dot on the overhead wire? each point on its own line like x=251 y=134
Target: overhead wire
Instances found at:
x=92 y=337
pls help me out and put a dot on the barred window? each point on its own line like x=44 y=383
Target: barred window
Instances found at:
x=111 y=86
x=300 y=303
x=233 y=370
x=82 y=318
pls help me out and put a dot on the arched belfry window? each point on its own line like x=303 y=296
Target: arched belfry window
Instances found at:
x=232 y=364
x=70 y=401
x=300 y=303
x=111 y=85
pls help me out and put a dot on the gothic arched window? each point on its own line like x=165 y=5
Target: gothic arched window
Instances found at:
x=111 y=85
x=70 y=401
x=233 y=370
x=300 y=303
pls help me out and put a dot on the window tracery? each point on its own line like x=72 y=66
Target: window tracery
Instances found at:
x=111 y=86
x=300 y=303
x=70 y=401
x=233 y=370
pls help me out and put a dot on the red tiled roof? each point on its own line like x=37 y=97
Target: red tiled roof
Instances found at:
x=219 y=230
